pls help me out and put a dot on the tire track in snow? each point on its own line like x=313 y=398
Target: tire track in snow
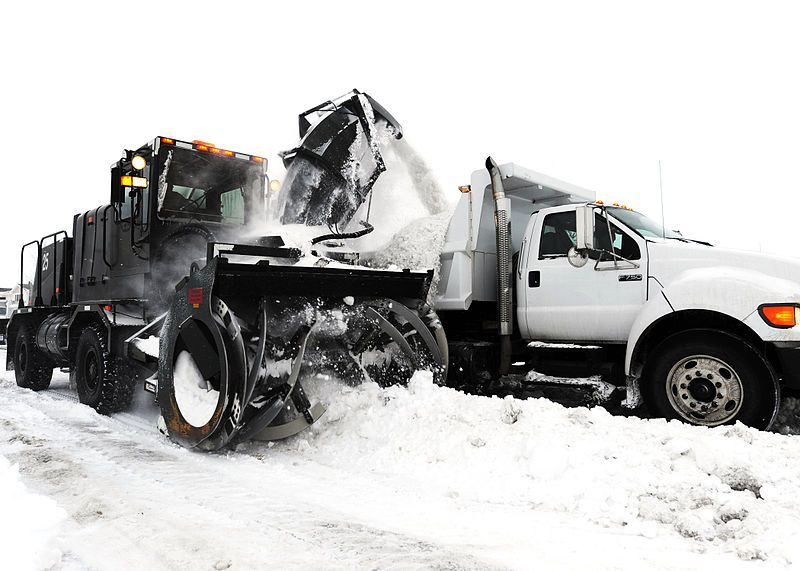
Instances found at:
x=136 y=499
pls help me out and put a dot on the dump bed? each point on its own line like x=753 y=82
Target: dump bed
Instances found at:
x=469 y=258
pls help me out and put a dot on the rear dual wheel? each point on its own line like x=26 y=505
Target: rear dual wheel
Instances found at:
x=710 y=378
x=32 y=368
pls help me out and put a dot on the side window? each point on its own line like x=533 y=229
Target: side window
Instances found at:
x=232 y=203
x=558 y=234
x=143 y=213
x=623 y=244
x=126 y=208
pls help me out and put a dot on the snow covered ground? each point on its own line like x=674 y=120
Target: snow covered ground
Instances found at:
x=423 y=477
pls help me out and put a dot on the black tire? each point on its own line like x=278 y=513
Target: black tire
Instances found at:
x=33 y=369
x=102 y=382
x=709 y=378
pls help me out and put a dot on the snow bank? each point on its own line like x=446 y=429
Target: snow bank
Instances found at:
x=729 y=489
x=29 y=524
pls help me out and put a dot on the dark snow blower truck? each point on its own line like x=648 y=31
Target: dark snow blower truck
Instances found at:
x=172 y=284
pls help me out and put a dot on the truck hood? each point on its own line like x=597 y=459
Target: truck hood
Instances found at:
x=694 y=275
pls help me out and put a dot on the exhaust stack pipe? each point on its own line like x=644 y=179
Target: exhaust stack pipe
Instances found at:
x=505 y=291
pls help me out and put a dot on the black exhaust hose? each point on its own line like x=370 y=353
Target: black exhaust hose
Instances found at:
x=505 y=286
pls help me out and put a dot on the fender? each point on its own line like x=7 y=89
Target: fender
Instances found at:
x=729 y=291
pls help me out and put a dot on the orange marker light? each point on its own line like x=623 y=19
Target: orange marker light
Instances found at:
x=205 y=143
x=215 y=150
x=168 y=141
x=780 y=315
x=599 y=202
x=108 y=308
x=258 y=159
x=127 y=181
x=227 y=153
x=202 y=148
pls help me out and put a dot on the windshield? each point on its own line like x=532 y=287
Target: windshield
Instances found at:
x=198 y=185
x=642 y=224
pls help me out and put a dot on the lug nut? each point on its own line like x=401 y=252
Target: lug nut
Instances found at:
x=685 y=396
x=691 y=404
x=683 y=385
x=714 y=404
x=698 y=374
x=718 y=385
x=709 y=376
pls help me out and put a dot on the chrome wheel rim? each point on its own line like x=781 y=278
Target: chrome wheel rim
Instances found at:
x=704 y=390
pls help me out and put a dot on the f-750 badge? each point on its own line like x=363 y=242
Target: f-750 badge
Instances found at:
x=630 y=278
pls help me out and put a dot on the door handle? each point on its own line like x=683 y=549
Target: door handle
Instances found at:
x=533 y=278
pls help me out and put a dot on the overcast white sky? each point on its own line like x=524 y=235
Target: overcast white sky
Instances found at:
x=595 y=93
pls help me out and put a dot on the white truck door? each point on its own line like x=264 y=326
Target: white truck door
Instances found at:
x=594 y=303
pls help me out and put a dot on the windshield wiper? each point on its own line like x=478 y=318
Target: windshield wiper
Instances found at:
x=689 y=240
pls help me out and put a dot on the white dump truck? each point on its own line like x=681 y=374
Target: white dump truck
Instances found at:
x=538 y=275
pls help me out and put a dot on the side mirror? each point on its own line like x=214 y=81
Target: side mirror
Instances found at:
x=584 y=227
x=117 y=194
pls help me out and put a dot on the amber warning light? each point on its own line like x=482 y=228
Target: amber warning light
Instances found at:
x=136 y=181
x=780 y=316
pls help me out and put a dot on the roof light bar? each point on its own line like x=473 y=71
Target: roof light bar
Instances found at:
x=210 y=148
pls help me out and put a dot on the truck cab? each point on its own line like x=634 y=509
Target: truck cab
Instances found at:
x=706 y=335
x=567 y=296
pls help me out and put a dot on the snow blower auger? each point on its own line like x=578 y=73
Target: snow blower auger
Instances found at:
x=245 y=329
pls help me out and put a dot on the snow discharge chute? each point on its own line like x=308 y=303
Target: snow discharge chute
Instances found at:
x=331 y=172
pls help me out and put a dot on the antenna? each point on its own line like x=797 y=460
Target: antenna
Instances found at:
x=661 y=188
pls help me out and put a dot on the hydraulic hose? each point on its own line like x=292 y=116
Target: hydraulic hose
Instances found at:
x=367 y=229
